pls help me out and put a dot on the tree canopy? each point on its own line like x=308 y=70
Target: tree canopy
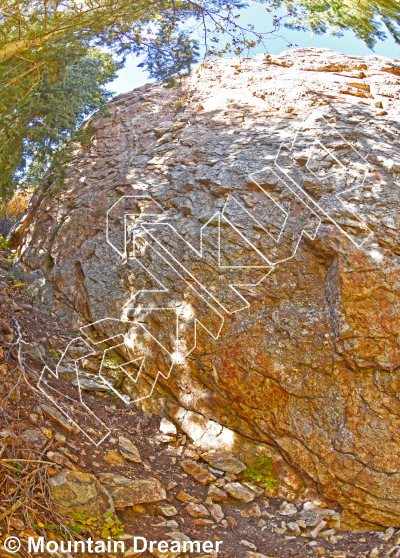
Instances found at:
x=369 y=19
x=56 y=57
x=39 y=112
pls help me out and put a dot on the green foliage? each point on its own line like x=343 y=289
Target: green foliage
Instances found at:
x=15 y=275
x=90 y=521
x=18 y=468
x=108 y=525
x=56 y=354
x=4 y=244
x=171 y=83
x=260 y=471
x=367 y=18
x=163 y=62
x=53 y=76
x=12 y=258
x=20 y=282
x=33 y=133
x=29 y=292
x=113 y=363
x=179 y=105
x=50 y=527
x=83 y=135
x=112 y=528
x=54 y=233
x=75 y=528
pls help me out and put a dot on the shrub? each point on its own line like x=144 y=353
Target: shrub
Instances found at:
x=260 y=471
x=3 y=242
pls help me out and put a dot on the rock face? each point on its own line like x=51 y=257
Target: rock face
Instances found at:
x=224 y=460
x=198 y=473
x=240 y=492
x=129 y=450
x=253 y=261
x=80 y=493
x=127 y=492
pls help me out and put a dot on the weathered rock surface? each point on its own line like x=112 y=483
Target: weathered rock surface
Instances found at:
x=217 y=494
x=59 y=419
x=130 y=492
x=129 y=450
x=197 y=510
x=80 y=493
x=167 y=427
x=184 y=497
x=224 y=460
x=114 y=458
x=168 y=510
x=216 y=512
x=287 y=509
x=240 y=492
x=284 y=162
x=60 y=459
x=253 y=511
x=313 y=514
x=200 y=474
x=34 y=438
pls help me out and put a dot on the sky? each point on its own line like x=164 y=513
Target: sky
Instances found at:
x=131 y=76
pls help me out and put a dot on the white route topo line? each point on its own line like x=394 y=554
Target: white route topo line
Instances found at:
x=145 y=232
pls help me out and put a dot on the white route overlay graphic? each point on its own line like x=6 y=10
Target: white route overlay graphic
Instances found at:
x=242 y=244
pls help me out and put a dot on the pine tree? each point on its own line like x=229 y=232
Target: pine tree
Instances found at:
x=51 y=78
x=35 y=121
x=367 y=18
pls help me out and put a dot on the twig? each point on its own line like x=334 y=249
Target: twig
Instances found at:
x=14 y=507
x=25 y=461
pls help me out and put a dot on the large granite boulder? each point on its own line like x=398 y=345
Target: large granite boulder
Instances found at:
x=238 y=238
